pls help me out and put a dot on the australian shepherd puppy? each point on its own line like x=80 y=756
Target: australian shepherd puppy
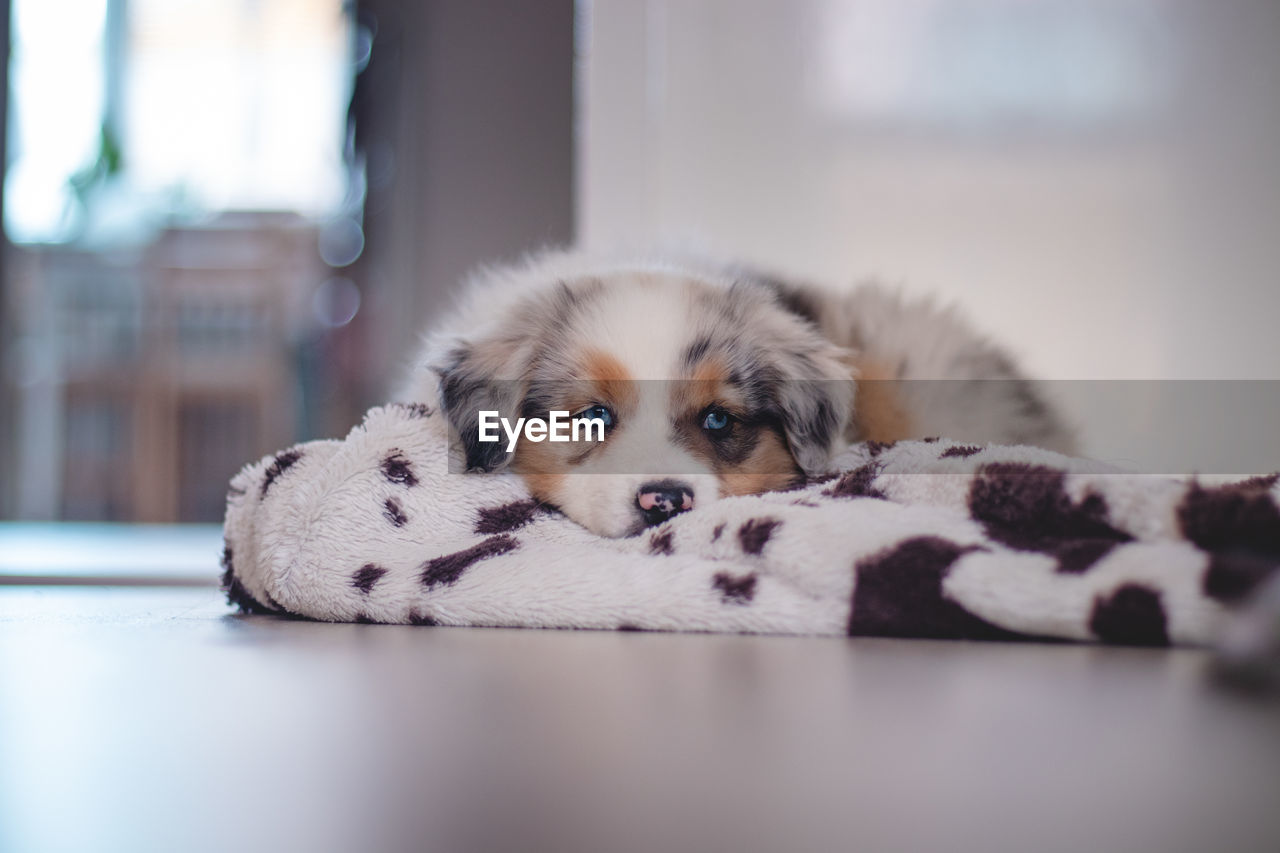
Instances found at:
x=702 y=382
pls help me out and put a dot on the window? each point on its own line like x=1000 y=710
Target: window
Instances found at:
x=179 y=191
x=124 y=114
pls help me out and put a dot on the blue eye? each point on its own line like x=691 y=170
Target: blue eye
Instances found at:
x=597 y=413
x=716 y=420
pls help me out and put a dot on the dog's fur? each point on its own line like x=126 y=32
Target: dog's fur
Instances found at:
x=662 y=343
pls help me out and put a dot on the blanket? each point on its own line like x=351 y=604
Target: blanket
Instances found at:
x=929 y=538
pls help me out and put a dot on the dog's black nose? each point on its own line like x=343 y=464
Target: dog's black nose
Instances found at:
x=659 y=501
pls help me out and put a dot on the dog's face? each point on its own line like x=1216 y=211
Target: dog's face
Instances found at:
x=705 y=389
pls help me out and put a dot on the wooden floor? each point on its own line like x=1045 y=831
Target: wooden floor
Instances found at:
x=150 y=719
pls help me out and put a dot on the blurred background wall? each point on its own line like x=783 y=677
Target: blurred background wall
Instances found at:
x=465 y=117
x=1096 y=180
x=228 y=222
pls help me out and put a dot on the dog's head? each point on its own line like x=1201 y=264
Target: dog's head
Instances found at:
x=704 y=387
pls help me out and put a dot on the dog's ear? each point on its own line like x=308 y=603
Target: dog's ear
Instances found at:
x=798 y=299
x=805 y=381
x=490 y=364
x=814 y=397
x=477 y=376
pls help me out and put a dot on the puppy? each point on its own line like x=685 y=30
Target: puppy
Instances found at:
x=702 y=381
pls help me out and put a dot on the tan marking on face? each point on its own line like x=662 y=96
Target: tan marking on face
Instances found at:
x=542 y=465
x=710 y=370
x=768 y=467
x=707 y=385
x=545 y=486
x=602 y=379
x=607 y=377
x=878 y=412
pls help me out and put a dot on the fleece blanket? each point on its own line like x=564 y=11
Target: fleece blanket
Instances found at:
x=926 y=538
